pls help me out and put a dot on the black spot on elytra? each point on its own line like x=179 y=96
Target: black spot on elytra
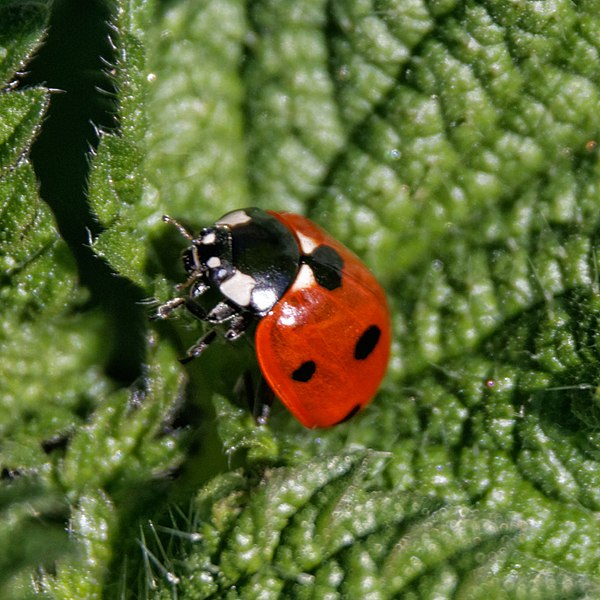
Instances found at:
x=327 y=265
x=349 y=415
x=305 y=371
x=367 y=342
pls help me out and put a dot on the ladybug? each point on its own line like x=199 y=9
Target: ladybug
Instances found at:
x=320 y=318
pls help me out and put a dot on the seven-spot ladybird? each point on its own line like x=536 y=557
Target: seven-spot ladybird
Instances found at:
x=322 y=335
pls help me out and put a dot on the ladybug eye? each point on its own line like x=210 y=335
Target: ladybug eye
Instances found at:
x=219 y=275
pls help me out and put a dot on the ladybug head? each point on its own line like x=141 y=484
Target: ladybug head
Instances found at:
x=210 y=255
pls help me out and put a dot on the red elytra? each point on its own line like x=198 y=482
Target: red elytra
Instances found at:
x=335 y=343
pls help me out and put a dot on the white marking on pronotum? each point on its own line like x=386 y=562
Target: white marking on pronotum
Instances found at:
x=237 y=217
x=213 y=262
x=263 y=298
x=307 y=244
x=239 y=288
x=304 y=279
x=209 y=238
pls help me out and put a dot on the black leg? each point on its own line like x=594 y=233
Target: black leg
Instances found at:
x=218 y=314
x=198 y=287
x=199 y=347
x=259 y=398
x=239 y=324
x=244 y=389
x=194 y=280
x=196 y=310
x=164 y=310
x=263 y=402
x=221 y=312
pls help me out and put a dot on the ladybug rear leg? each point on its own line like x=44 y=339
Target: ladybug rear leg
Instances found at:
x=258 y=397
x=261 y=408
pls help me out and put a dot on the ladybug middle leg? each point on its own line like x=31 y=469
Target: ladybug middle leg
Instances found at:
x=238 y=325
x=199 y=347
x=222 y=312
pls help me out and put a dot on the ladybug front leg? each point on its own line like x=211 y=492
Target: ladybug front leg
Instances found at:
x=164 y=310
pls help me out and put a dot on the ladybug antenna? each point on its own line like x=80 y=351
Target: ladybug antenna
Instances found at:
x=182 y=230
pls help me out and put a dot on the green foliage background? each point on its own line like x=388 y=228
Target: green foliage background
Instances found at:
x=453 y=145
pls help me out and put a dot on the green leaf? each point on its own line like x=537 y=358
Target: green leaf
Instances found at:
x=72 y=448
x=32 y=513
x=39 y=280
x=117 y=178
x=37 y=289
x=21 y=30
x=115 y=469
x=124 y=438
x=93 y=522
x=196 y=156
x=454 y=147
x=22 y=113
x=318 y=529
